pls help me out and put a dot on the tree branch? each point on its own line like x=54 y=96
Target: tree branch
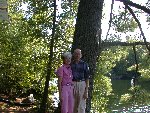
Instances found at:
x=110 y=21
x=108 y=44
x=139 y=24
x=135 y=5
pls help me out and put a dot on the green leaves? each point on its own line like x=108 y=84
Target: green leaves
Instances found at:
x=24 y=44
x=123 y=22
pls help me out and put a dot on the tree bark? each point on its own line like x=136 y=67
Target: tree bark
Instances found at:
x=87 y=36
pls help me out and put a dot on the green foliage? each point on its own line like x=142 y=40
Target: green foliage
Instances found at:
x=121 y=59
x=24 y=53
x=25 y=45
x=102 y=90
x=123 y=22
x=103 y=98
x=110 y=57
x=136 y=96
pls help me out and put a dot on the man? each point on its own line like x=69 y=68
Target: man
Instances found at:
x=80 y=73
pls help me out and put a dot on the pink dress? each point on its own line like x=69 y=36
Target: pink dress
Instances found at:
x=67 y=88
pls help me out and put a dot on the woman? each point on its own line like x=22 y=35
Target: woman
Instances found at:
x=65 y=84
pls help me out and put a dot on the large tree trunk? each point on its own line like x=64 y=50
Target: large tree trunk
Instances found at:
x=87 y=36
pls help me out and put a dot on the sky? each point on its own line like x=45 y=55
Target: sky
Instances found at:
x=142 y=19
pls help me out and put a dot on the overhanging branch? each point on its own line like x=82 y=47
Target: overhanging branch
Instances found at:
x=110 y=21
x=128 y=2
x=108 y=44
x=139 y=24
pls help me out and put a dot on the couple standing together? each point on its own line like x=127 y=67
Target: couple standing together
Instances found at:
x=73 y=82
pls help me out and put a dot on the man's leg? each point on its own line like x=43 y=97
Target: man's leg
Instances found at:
x=82 y=101
x=76 y=97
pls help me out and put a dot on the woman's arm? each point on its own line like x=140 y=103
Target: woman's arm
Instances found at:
x=59 y=86
x=60 y=76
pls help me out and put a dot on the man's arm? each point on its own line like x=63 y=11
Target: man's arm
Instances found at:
x=85 y=96
x=86 y=81
x=87 y=73
x=87 y=84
